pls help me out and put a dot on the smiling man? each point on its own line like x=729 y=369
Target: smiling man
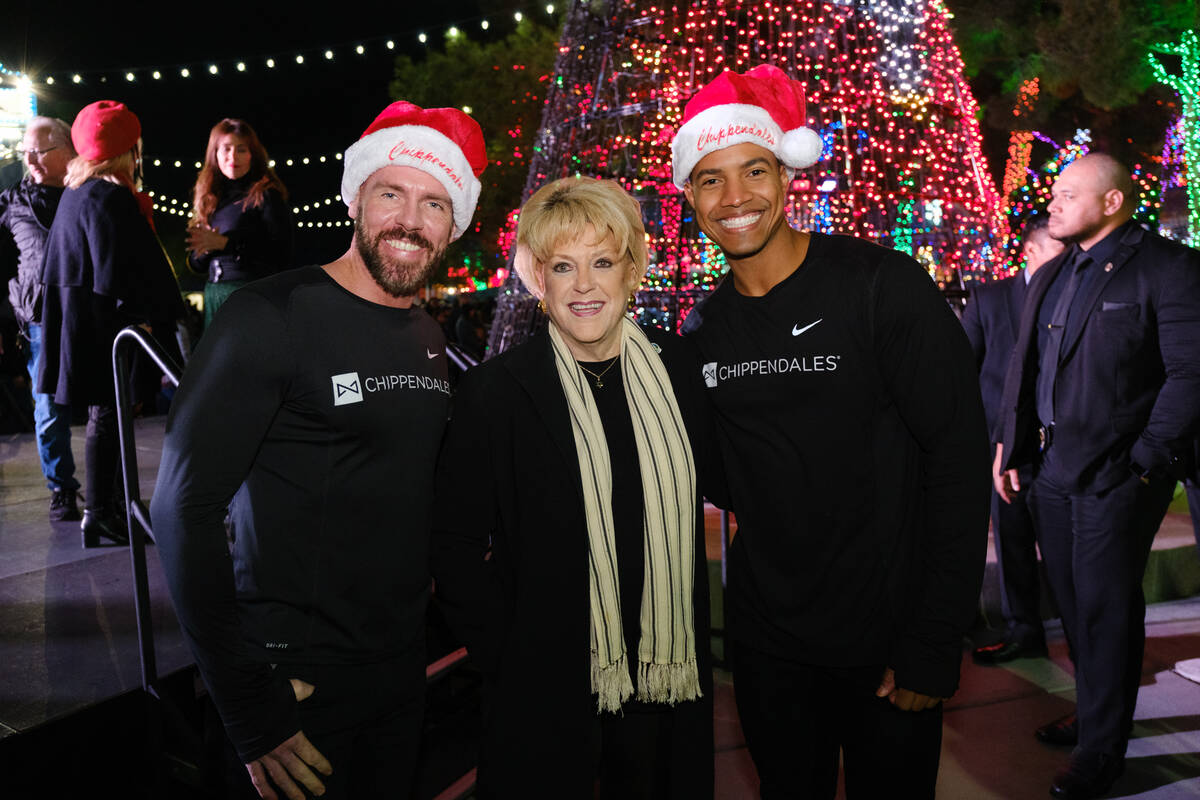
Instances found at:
x=854 y=440
x=312 y=411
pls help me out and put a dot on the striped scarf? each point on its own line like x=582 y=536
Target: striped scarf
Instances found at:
x=667 y=644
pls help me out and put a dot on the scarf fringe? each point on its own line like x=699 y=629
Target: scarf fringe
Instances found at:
x=611 y=683
x=668 y=683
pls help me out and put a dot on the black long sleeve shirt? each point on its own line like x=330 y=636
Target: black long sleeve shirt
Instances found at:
x=315 y=417
x=849 y=416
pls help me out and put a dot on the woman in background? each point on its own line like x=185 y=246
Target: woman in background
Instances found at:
x=241 y=227
x=104 y=269
x=568 y=548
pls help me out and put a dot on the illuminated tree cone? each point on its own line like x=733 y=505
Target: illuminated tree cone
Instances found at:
x=1187 y=83
x=902 y=163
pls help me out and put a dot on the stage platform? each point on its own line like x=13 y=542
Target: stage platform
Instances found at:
x=72 y=712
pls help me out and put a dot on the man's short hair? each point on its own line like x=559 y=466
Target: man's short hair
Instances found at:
x=1112 y=174
x=59 y=131
x=1037 y=226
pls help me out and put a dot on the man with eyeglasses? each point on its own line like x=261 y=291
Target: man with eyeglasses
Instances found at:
x=26 y=211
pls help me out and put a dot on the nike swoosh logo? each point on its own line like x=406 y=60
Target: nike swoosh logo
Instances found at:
x=431 y=355
x=796 y=330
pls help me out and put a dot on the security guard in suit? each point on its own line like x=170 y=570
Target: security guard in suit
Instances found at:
x=992 y=320
x=1100 y=398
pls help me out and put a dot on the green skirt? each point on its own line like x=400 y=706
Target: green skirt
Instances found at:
x=215 y=294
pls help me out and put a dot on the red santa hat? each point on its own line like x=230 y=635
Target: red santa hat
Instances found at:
x=443 y=142
x=764 y=107
x=105 y=129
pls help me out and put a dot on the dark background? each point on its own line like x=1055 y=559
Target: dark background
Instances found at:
x=1089 y=54
x=312 y=109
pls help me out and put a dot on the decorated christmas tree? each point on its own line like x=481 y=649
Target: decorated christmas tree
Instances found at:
x=902 y=163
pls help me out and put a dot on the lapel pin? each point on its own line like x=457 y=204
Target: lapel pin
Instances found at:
x=1108 y=267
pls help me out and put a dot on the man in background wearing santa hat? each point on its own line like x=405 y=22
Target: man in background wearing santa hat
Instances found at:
x=313 y=410
x=854 y=439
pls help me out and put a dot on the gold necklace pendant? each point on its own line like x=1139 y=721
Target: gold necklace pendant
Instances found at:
x=602 y=373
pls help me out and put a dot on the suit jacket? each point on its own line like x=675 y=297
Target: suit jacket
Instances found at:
x=510 y=566
x=1129 y=373
x=991 y=320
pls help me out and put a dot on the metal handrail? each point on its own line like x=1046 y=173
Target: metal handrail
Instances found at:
x=460 y=357
x=135 y=509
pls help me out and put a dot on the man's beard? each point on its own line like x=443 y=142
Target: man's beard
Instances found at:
x=397 y=279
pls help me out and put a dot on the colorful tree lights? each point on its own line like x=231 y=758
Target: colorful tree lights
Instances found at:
x=886 y=91
x=1187 y=84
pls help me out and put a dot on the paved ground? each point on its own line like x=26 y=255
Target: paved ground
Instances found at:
x=988 y=750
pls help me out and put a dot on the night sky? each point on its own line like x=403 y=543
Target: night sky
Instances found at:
x=311 y=109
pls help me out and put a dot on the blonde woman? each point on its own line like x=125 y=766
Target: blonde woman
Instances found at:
x=569 y=546
x=104 y=269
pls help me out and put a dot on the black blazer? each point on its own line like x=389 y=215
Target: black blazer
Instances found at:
x=508 y=473
x=991 y=320
x=1129 y=376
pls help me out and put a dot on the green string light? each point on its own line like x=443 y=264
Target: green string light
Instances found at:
x=1187 y=84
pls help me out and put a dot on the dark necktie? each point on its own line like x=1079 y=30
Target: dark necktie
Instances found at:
x=1048 y=366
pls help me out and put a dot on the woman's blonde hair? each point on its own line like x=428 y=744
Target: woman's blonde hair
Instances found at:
x=561 y=211
x=118 y=169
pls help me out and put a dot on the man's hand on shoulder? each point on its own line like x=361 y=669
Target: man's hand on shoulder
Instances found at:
x=290 y=762
x=904 y=699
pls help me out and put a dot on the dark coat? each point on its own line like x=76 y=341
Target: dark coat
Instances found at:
x=509 y=473
x=991 y=320
x=104 y=269
x=1129 y=375
x=260 y=239
x=26 y=212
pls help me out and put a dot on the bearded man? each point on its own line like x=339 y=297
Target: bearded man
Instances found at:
x=312 y=413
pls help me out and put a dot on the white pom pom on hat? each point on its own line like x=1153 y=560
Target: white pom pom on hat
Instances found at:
x=763 y=106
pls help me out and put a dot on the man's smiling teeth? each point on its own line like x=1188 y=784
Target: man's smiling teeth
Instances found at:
x=401 y=244
x=741 y=222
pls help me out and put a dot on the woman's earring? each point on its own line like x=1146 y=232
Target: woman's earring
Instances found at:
x=542 y=306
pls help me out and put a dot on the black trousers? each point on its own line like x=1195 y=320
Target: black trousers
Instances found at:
x=797 y=717
x=1017 y=559
x=638 y=757
x=366 y=719
x=1193 y=498
x=102 y=455
x=1095 y=549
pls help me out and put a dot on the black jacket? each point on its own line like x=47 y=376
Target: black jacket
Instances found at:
x=1129 y=375
x=26 y=211
x=991 y=320
x=104 y=269
x=260 y=239
x=509 y=473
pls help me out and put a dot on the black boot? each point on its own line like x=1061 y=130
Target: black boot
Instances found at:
x=102 y=523
x=62 y=506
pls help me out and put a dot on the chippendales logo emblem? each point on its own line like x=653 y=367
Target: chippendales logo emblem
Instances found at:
x=710 y=374
x=346 y=389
